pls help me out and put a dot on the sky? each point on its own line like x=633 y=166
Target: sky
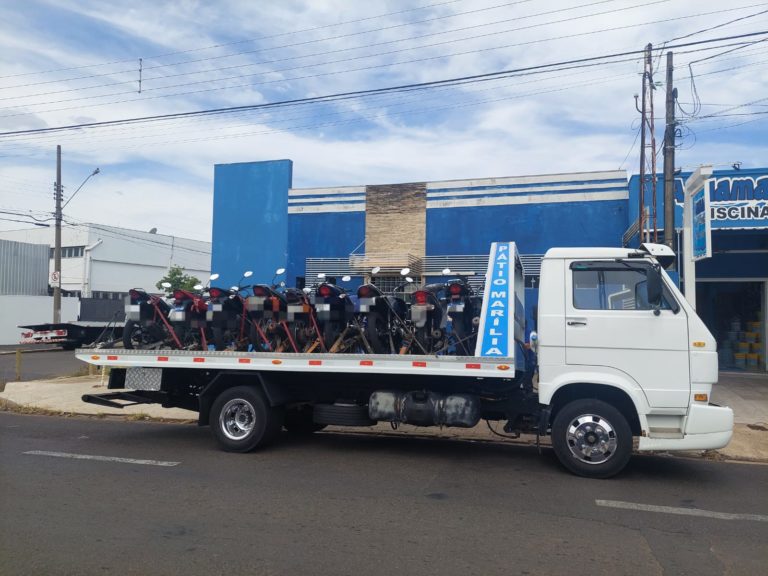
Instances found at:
x=72 y=62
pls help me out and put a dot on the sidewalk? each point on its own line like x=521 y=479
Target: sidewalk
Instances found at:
x=746 y=393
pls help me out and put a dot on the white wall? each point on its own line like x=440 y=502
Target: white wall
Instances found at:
x=120 y=258
x=31 y=310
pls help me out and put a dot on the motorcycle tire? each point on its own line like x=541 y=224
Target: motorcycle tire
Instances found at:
x=149 y=336
x=220 y=338
x=464 y=342
x=331 y=333
x=377 y=333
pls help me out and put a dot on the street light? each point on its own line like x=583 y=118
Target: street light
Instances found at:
x=81 y=185
x=57 y=245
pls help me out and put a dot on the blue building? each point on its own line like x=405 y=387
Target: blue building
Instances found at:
x=261 y=223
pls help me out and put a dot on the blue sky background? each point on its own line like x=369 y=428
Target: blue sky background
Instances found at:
x=68 y=62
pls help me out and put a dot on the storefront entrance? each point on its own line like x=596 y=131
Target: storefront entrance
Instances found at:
x=734 y=312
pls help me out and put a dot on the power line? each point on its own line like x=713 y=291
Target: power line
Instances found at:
x=292 y=45
x=365 y=68
x=345 y=71
x=359 y=93
x=221 y=45
x=389 y=42
x=314 y=123
x=388 y=103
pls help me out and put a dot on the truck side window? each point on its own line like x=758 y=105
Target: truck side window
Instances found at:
x=611 y=286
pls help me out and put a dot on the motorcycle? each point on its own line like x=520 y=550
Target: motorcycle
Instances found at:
x=147 y=325
x=268 y=313
x=189 y=317
x=383 y=316
x=335 y=312
x=463 y=307
x=227 y=317
x=428 y=317
x=302 y=328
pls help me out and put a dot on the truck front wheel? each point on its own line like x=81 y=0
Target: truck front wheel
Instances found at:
x=242 y=419
x=591 y=438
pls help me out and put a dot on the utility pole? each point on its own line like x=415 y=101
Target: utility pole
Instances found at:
x=641 y=195
x=57 y=246
x=647 y=150
x=669 y=159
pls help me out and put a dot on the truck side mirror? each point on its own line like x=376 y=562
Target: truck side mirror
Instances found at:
x=654 y=287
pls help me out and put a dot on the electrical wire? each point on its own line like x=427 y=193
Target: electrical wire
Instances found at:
x=332 y=73
x=221 y=45
x=325 y=63
x=432 y=94
x=355 y=93
x=345 y=60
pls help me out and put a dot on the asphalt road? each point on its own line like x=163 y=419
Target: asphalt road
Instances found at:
x=37 y=365
x=353 y=504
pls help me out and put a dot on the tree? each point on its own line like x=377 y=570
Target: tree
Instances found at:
x=177 y=279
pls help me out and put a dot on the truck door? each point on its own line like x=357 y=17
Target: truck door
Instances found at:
x=609 y=323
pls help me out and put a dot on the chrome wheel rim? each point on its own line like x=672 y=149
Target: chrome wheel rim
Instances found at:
x=591 y=439
x=237 y=419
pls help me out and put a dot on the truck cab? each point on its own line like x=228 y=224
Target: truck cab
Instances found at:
x=619 y=345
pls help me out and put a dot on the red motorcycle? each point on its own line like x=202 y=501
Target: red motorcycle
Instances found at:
x=227 y=317
x=188 y=318
x=147 y=326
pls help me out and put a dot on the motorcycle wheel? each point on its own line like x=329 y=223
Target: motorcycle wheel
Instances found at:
x=331 y=333
x=464 y=344
x=221 y=338
x=422 y=337
x=136 y=336
x=377 y=333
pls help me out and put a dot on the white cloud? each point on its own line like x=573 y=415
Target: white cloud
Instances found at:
x=570 y=120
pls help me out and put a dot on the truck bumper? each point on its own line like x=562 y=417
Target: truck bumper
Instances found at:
x=708 y=427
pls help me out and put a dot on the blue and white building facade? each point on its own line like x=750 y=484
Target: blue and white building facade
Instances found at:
x=261 y=223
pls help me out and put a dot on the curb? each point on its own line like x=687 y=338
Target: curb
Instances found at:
x=32 y=351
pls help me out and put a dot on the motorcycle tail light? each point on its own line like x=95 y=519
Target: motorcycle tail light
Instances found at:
x=324 y=291
x=455 y=289
x=215 y=292
x=259 y=291
x=364 y=291
x=420 y=297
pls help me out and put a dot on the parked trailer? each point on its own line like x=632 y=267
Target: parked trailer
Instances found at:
x=621 y=355
x=71 y=335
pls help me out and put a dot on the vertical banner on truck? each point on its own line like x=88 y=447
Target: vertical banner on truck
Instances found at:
x=501 y=305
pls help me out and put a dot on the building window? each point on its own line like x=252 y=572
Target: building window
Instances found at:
x=68 y=252
x=388 y=285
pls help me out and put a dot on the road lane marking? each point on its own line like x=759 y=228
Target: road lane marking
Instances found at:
x=102 y=458
x=681 y=511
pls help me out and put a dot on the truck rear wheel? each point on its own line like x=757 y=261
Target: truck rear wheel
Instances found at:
x=242 y=419
x=592 y=438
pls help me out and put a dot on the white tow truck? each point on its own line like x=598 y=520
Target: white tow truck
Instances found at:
x=621 y=356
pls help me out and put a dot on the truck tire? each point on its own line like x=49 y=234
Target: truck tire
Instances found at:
x=300 y=421
x=342 y=415
x=591 y=438
x=242 y=419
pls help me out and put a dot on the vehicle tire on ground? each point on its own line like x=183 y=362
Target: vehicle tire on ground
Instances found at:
x=591 y=438
x=242 y=420
x=299 y=421
x=342 y=415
